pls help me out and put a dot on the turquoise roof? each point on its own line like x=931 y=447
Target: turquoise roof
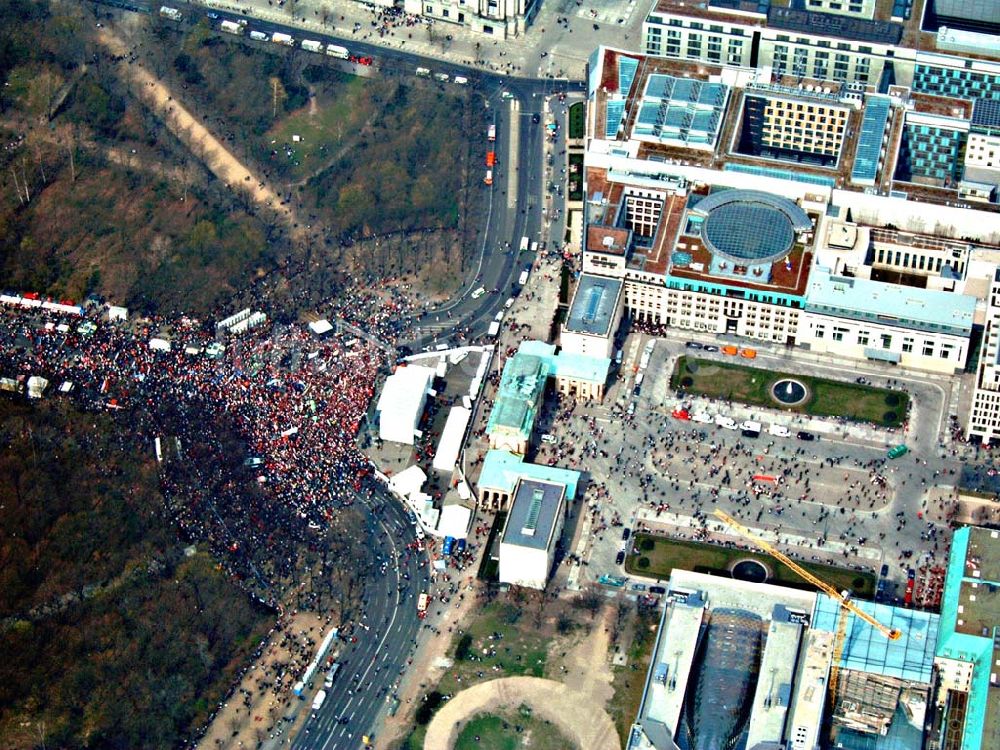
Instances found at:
x=523 y=381
x=501 y=471
x=867 y=650
x=963 y=646
x=907 y=306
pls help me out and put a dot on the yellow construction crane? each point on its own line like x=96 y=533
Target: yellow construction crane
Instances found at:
x=843 y=598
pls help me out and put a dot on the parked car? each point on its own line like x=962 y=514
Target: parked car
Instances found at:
x=626 y=533
x=710 y=348
x=778 y=430
x=620 y=557
x=693 y=345
x=681 y=414
x=803 y=435
x=702 y=417
x=727 y=423
x=658 y=590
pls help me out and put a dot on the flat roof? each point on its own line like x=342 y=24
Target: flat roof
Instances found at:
x=831 y=24
x=863 y=299
x=973 y=560
x=772 y=699
x=986 y=112
x=867 y=650
x=677 y=645
x=608 y=240
x=533 y=514
x=594 y=304
x=502 y=470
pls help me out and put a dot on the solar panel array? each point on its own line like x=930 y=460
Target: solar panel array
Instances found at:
x=615 y=113
x=627 y=67
x=986 y=115
x=781 y=174
x=681 y=110
x=866 y=156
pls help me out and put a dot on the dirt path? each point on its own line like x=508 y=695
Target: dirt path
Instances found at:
x=267 y=687
x=575 y=704
x=219 y=160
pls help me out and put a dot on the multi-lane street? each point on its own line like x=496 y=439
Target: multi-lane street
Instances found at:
x=371 y=668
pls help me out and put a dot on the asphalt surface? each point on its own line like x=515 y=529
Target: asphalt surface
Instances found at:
x=371 y=668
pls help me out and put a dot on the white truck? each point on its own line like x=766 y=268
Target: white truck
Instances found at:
x=318 y=700
x=494 y=329
x=172 y=13
x=231 y=27
x=311 y=45
x=523 y=278
x=335 y=50
x=285 y=39
x=260 y=36
x=424 y=72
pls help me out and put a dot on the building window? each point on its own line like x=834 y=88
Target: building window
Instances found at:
x=820 y=331
x=907 y=345
x=928 y=348
x=863 y=338
x=886 y=340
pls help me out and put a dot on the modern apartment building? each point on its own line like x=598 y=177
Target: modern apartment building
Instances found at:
x=984 y=416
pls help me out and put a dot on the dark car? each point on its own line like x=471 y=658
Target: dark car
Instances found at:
x=693 y=345
x=626 y=533
x=658 y=590
x=536 y=118
x=710 y=348
x=620 y=557
x=803 y=435
x=885 y=571
x=636 y=391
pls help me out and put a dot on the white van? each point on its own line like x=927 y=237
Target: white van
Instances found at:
x=479 y=292
x=461 y=80
x=778 y=430
x=727 y=423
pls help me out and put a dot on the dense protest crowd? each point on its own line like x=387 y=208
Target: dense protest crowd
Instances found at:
x=294 y=401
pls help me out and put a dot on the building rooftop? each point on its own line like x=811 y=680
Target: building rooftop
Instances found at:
x=608 y=240
x=774 y=691
x=594 y=304
x=680 y=111
x=863 y=299
x=986 y=114
x=534 y=514
x=833 y=25
x=867 y=650
x=516 y=403
x=503 y=470
x=869 y=143
x=974 y=571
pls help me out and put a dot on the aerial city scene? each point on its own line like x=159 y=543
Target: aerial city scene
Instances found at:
x=500 y=374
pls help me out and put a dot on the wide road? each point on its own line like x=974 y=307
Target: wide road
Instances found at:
x=371 y=668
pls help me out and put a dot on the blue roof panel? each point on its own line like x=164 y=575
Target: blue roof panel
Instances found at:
x=866 y=156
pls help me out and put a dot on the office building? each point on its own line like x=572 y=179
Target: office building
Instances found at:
x=531 y=533
x=968 y=646
x=983 y=422
x=593 y=318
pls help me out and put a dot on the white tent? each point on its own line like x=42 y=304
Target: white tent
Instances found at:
x=402 y=403
x=37 y=386
x=450 y=444
x=117 y=313
x=320 y=327
x=455 y=521
x=409 y=481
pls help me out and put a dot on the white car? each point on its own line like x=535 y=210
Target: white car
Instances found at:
x=547 y=438
x=752 y=426
x=700 y=416
x=778 y=430
x=727 y=423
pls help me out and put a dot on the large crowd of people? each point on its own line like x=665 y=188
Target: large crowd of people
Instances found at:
x=294 y=402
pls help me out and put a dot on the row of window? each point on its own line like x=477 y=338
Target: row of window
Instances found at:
x=917 y=262
x=884 y=341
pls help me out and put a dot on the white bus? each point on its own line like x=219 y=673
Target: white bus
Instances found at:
x=335 y=50
x=260 y=36
x=311 y=45
x=524 y=244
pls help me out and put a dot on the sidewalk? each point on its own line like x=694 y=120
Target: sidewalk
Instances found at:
x=566 y=45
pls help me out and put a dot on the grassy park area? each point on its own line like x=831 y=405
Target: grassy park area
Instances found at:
x=655 y=556
x=577 y=122
x=826 y=398
x=509 y=731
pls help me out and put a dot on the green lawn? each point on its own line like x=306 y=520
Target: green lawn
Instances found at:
x=828 y=398
x=321 y=134
x=575 y=176
x=577 y=122
x=509 y=731
x=664 y=555
x=630 y=680
x=520 y=650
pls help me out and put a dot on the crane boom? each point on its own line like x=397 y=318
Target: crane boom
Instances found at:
x=822 y=585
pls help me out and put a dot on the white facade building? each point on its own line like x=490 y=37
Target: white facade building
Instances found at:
x=530 y=535
x=984 y=416
x=496 y=18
